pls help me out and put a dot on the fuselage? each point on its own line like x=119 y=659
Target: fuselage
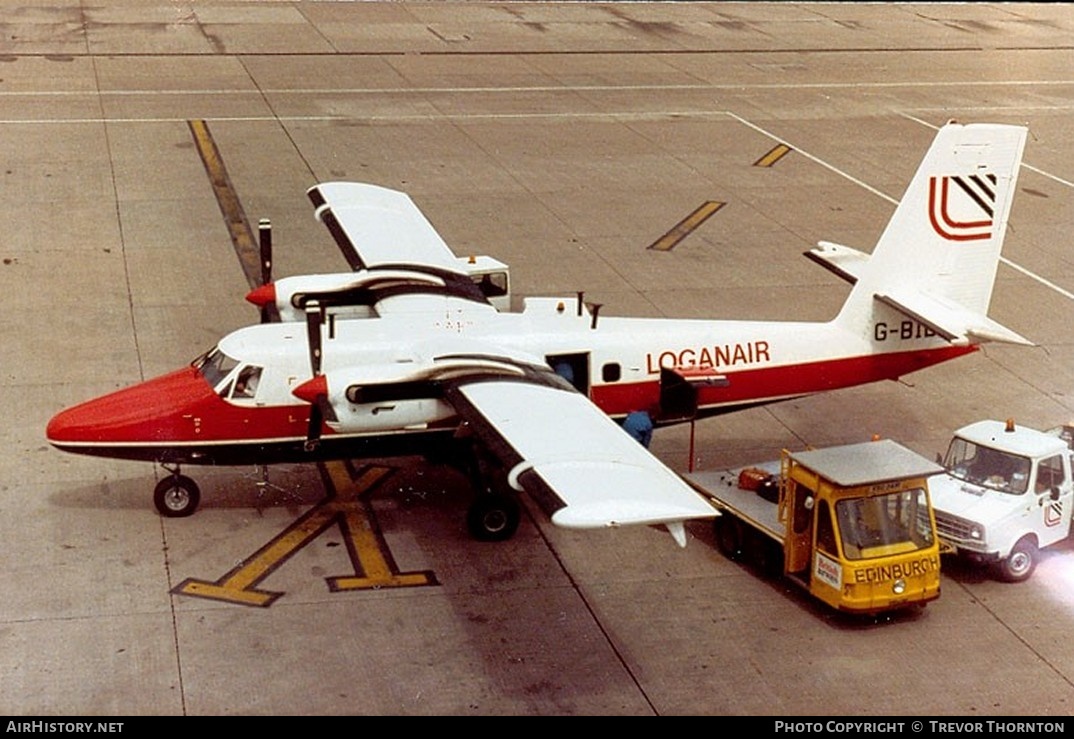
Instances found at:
x=235 y=405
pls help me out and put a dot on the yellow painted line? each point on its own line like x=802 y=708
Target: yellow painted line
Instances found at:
x=773 y=156
x=346 y=505
x=247 y=245
x=686 y=226
x=368 y=550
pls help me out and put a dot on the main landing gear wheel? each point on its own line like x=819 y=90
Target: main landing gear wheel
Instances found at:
x=176 y=496
x=493 y=517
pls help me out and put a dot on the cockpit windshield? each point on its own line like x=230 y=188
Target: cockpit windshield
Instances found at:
x=214 y=366
x=988 y=467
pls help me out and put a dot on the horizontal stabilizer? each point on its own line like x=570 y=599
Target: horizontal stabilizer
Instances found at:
x=844 y=261
x=950 y=320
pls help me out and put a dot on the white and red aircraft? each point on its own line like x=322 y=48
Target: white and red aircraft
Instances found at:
x=408 y=354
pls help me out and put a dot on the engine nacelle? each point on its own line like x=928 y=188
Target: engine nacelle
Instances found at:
x=404 y=394
x=354 y=294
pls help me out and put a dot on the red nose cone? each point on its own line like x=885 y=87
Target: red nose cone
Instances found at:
x=146 y=413
x=311 y=389
x=262 y=296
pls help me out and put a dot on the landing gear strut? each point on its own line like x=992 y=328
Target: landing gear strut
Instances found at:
x=495 y=513
x=176 y=496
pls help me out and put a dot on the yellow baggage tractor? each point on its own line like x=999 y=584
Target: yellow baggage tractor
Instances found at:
x=851 y=524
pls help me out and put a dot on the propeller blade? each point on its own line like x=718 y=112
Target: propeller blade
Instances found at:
x=264 y=230
x=314 y=320
x=314 y=390
x=313 y=435
x=268 y=309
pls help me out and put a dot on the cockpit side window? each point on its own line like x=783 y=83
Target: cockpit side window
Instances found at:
x=246 y=383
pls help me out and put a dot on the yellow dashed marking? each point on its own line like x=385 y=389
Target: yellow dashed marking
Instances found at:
x=773 y=156
x=686 y=226
x=348 y=506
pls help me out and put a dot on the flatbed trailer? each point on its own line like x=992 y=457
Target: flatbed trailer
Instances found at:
x=851 y=524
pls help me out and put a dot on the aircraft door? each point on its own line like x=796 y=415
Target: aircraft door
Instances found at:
x=678 y=396
x=574 y=368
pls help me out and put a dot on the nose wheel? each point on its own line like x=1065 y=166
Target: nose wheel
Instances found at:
x=176 y=495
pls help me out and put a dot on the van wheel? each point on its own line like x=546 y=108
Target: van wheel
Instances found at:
x=1021 y=562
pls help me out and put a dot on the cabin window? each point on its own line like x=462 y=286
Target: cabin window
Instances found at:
x=611 y=372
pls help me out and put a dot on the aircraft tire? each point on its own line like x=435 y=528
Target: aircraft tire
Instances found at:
x=176 y=496
x=1020 y=563
x=493 y=517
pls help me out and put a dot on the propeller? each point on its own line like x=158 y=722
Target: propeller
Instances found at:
x=315 y=390
x=264 y=231
x=264 y=296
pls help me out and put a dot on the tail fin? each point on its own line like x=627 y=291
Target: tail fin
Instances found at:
x=936 y=261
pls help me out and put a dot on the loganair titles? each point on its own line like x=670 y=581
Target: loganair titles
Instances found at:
x=727 y=355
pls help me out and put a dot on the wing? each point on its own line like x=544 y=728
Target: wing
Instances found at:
x=576 y=462
x=402 y=264
x=376 y=227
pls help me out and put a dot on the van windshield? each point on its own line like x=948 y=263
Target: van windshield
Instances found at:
x=988 y=467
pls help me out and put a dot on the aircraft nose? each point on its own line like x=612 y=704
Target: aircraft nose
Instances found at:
x=148 y=412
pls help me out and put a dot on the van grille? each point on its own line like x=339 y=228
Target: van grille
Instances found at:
x=953 y=528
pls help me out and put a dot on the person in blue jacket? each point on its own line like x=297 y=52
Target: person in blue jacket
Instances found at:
x=639 y=424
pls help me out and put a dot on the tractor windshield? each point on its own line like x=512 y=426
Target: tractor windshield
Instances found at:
x=882 y=525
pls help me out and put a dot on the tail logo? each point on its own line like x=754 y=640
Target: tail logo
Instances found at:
x=955 y=213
